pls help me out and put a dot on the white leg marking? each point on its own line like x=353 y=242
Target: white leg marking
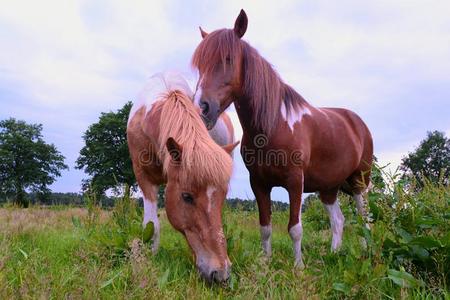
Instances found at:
x=337 y=224
x=151 y=214
x=266 y=233
x=296 y=233
x=361 y=207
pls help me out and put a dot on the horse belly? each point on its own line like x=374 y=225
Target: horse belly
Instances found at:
x=334 y=156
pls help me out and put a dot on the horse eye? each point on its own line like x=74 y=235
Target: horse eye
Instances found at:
x=228 y=60
x=187 y=198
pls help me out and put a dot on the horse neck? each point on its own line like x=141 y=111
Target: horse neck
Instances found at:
x=247 y=117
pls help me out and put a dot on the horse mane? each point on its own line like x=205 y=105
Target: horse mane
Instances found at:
x=203 y=161
x=261 y=85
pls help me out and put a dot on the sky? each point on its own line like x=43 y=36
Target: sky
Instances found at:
x=62 y=63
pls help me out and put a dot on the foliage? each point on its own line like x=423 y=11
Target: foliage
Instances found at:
x=27 y=162
x=416 y=228
x=74 y=253
x=430 y=160
x=64 y=255
x=105 y=156
x=251 y=205
x=124 y=230
x=161 y=196
x=376 y=177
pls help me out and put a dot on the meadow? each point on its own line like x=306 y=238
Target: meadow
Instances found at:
x=91 y=253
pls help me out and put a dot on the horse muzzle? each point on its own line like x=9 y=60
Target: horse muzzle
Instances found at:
x=210 y=113
x=220 y=276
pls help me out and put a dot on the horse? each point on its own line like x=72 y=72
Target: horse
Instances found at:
x=286 y=141
x=169 y=144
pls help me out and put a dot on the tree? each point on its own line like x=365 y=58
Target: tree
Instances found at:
x=27 y=162
x=105 y=156
x=431 y=160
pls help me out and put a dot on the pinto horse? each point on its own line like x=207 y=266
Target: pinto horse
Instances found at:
x=286 y=141
x=169 y=144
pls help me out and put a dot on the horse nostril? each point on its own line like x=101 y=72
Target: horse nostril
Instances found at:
x=204 y=107
x=213 y=276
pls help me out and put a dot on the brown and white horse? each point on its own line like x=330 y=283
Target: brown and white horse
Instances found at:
x=169 y=144
x=286 y=141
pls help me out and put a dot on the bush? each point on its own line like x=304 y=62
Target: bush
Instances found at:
x=416 y=229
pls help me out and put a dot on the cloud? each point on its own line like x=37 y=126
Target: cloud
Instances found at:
x=63 y=63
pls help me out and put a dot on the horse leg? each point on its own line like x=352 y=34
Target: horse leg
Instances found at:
x=150 y=192
x=262 y=194
x=359 y=183
x=361 y=206
x=331 y=204
x=295 y=227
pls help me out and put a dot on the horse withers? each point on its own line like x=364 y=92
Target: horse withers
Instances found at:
x=170 y=145
x=286 y=141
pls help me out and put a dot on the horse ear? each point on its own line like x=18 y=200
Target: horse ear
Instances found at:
x=202 y=32
x=240 y=25
x=230 y=147
x=175 y=150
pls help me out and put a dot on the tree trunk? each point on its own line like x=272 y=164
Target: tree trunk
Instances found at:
x=127 y=191
x=21 y=198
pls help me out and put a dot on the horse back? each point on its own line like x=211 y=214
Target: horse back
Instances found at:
x=143 y=148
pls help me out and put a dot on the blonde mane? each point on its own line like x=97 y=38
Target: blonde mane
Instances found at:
x=202 y=161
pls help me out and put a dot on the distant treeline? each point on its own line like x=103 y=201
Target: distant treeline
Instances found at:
x=73 y=199
x=250 y=205
x=78 y=199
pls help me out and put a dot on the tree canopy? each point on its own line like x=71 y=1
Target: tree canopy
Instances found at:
x=27 y=162
x=105 y=156
x=431 y=159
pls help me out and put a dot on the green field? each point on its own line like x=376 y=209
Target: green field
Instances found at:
x=64 y=252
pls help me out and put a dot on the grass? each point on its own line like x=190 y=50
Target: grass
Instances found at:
x=65 y=252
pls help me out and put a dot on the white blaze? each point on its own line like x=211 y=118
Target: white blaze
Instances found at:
x=197 y=97
x=209 y=192
x=198 y=93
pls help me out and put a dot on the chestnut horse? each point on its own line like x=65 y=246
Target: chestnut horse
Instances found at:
x=286 y=141
x=170 y=145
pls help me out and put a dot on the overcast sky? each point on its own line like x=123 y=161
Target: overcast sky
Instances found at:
x=64 y=62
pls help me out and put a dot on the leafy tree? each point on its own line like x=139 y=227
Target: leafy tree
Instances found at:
x=431 y=160
x=105 y=156
x=27 y=162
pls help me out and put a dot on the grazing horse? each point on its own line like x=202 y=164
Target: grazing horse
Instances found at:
x=286 y=141
x=169 y=144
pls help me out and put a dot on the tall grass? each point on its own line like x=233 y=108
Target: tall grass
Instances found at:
x=92 y=253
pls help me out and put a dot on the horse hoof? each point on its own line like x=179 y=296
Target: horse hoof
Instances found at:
x=299 y=265
x=363 y=243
